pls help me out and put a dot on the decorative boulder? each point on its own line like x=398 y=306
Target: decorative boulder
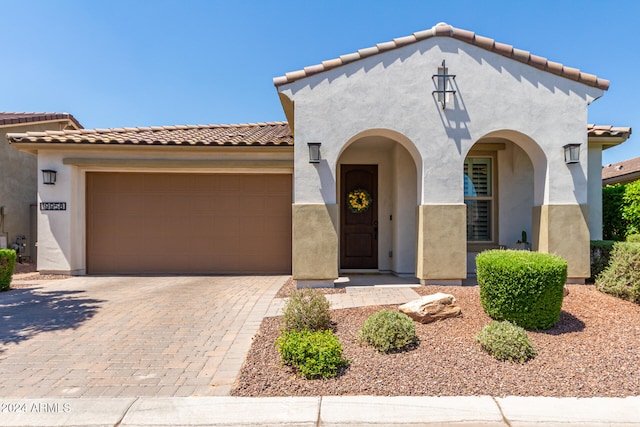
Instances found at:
x=431 y=308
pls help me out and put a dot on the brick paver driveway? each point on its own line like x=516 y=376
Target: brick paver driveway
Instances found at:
x=130 y=336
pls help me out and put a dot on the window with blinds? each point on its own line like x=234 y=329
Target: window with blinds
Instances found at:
x=478 y=196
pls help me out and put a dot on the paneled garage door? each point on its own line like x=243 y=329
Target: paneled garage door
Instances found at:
x=188 y=223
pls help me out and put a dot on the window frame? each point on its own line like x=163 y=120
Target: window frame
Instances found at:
x=478 y=246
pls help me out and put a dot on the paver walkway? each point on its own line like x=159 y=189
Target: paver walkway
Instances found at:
x=130 y=336
x=363 y=290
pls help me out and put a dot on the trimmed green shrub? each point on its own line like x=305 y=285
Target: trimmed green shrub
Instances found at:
x=600 y=255
x=307 y=309
x=633 y=238
x=313 y=354
x=614 y=227
x=7 y=264
x=506 y=341
x=523 y=287
x=622 y=277
x=631 y=207
x=389 y=331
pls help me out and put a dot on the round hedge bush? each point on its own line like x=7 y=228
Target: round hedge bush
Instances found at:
x=506 y=341
x=523 y=287
x=389 y=331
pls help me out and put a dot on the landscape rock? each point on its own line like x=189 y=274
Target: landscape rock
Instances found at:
x=431 y=308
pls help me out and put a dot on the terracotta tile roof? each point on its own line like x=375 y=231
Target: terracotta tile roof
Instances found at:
x=19 y=118
x=445 y=30
x=257 y=134
x=625 y=171
x=608 y=131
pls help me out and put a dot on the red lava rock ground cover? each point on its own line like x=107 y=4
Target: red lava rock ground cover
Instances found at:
x=593 y=351
x=25 y=273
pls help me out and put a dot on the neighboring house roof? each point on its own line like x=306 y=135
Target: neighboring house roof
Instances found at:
x=621 y=172
x=24 y=118
x=256 y=134
x=445 y=30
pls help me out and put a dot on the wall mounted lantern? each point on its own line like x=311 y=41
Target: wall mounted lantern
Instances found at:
x=571 y=153
x=49 y=176
x=443 y=86
x=314 y=152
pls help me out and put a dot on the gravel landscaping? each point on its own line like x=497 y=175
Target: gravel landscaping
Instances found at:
x=24 y=274
x=593 y=351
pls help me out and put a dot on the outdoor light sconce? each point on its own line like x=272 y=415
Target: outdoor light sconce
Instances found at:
x=49 y=177
x=572 y=153
x=442 y=84
x=314 y=152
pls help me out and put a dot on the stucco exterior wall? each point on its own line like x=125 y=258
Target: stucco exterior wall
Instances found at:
x=62 y=240
x=515 y=194
x=595 y=191
x=391 y=93
x=19 y=183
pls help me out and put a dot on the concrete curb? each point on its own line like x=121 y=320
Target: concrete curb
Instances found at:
x=352 y=411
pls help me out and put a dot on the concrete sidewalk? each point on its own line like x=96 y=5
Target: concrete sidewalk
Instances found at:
x=336 y=411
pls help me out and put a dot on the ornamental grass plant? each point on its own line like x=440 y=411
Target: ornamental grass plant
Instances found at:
x=307 y=309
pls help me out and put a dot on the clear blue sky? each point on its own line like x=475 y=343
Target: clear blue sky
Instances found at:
x=123 y=63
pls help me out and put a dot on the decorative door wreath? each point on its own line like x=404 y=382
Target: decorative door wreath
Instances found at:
x=359 y=200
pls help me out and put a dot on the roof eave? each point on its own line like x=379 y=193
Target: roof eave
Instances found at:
x=465 y=36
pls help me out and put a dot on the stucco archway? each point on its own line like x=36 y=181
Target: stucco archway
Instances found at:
x=505 y=179
x=396 y=162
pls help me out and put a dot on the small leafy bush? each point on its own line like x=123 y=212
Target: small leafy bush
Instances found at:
x=313 y=354
x=389 y=331
x=523 y=287
x=633 y=238
x=622 y=277
x=506 y=341
x=7 y=263
x=600 y=255
x=307 y=309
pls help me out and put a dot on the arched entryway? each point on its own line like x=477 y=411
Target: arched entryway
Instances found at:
x=377 y=191
x=502 y=186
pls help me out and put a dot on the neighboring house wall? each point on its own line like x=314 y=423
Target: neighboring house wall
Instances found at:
x=390 y=95
x=18 y=177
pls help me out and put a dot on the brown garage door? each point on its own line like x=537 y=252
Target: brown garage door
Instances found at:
x=188 y=223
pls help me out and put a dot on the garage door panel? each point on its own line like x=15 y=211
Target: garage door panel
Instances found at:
x=188 y=223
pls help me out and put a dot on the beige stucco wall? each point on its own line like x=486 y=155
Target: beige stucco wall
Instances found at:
x=442 y=243
x=315 y=242
x=19 y=182
x=62 y=240
x=564 y=230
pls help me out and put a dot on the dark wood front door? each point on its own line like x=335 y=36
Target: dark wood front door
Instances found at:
x=359 y=216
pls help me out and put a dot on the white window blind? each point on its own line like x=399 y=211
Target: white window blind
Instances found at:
x=478 y=196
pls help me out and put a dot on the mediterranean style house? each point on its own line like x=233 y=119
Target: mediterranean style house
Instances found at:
x=408 y=157
x=19 y=179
